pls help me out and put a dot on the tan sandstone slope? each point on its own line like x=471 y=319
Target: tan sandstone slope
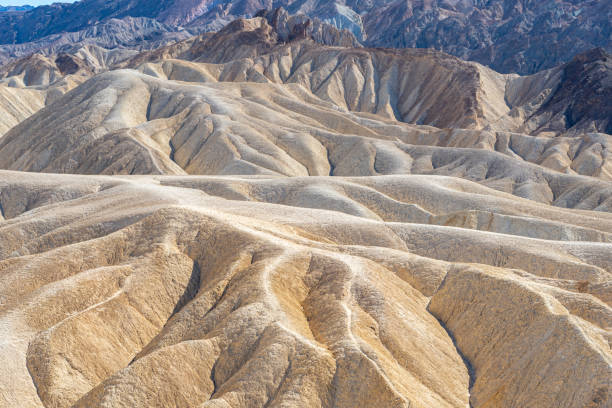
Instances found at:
x=29 y=84
x=18 y=104
x=411 y=85
x=251 y=218
x=127 y=122
x=417 y=291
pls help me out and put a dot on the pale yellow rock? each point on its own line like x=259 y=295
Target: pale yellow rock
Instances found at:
x=17 y=104
x=126 y=122
x=253 y=291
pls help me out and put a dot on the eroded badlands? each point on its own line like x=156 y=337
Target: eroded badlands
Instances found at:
x=248 y=219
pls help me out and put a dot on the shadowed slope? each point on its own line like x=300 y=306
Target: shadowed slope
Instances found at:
x=422 y=87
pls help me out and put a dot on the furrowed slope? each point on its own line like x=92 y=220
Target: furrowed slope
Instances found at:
x=206 y=292
x=126 y=122
x=413 y=86
x=508 y=36
x=127 y=35
x=17 y=105
x=416 y=86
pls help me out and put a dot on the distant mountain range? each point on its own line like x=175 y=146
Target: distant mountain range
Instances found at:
x=522 y=36
x=15 y=8
x=127 y=34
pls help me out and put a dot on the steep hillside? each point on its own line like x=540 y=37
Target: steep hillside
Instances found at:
x=415 y=86
x=126 y=122
x=550 y=119
x=17 y=105
x=507 y=35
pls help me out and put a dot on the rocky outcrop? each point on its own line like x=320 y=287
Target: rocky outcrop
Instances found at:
x=46 y=77
x=384 y=82
x=512 y=115
x=290 y=28
x=584 y=94
x=508 y=36
x=40 y=71
x=415 y=86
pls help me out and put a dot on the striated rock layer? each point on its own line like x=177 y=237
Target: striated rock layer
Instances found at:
x=116 y=36
x=18 y=104
x=422 y=87
x=416 y=86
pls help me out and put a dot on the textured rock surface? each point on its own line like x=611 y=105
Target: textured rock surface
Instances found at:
x=28 y=84
x=128 y=122
x=585 y=91
x=17 y=105
x=237 y=291
x=416 y=86
x=507 y=35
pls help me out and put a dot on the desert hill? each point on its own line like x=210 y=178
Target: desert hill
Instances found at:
x=273 y=215
x=414 y=86
x=238 y=291
x=247 y=101
x=127 y=122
